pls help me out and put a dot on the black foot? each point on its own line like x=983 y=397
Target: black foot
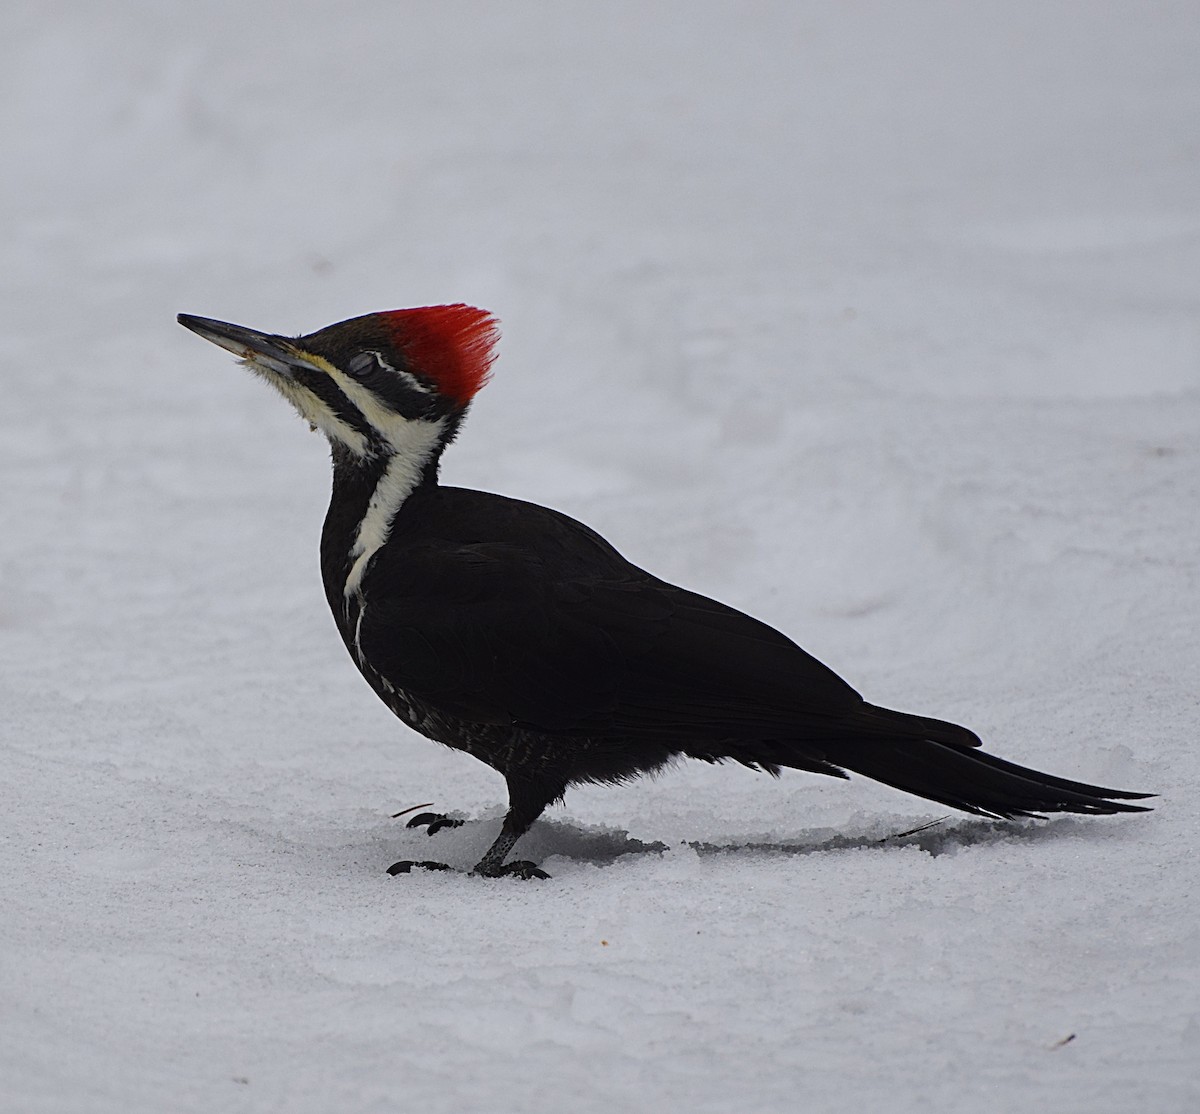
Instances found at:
x=435 y=820
x=407 y=865
x=519 y=869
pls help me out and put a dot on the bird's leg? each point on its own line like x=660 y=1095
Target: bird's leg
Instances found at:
x=526 y=802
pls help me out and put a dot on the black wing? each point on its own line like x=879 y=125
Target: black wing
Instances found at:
x=496 y=634
x=546 y=627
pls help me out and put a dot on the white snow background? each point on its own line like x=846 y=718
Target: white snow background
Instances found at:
x=879 y=321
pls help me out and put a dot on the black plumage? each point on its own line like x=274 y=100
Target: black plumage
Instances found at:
x=513 y=632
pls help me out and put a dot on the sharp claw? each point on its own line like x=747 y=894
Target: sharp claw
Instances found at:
x=435 y=820
x=422 y=818
x=520 y=869
x=407 y=865
x=443 y=822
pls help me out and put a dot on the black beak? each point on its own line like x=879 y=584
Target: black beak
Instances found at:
x=275 y=352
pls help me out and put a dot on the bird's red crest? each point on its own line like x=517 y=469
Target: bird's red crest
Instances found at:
x=450 y=345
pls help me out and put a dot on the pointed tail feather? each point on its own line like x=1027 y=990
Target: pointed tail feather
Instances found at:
x=976 y=782
x=940 y=761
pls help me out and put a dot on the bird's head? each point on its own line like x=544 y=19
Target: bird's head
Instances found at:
x=379 y=386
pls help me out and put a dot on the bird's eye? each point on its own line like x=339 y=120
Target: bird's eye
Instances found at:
x=371 y=369
x=364 y=363
x=394 y=387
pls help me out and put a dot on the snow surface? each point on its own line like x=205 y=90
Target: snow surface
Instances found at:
x=880 y=321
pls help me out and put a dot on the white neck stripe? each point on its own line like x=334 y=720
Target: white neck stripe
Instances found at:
x=412 y=444
x=406 y=444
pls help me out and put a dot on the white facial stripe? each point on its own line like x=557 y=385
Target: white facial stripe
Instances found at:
x=412 y=444
x=408 y=377
x=392 y=427
x=313 y=410
x=366 y=357
x=408 y=445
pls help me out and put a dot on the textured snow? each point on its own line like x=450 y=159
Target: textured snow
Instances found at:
x=880 y=321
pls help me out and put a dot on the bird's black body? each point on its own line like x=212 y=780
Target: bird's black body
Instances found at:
x=514 y=633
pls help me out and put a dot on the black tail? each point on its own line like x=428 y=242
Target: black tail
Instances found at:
x=938 y=761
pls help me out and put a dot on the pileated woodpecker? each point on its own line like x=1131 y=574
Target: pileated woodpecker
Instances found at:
x=519 y=635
